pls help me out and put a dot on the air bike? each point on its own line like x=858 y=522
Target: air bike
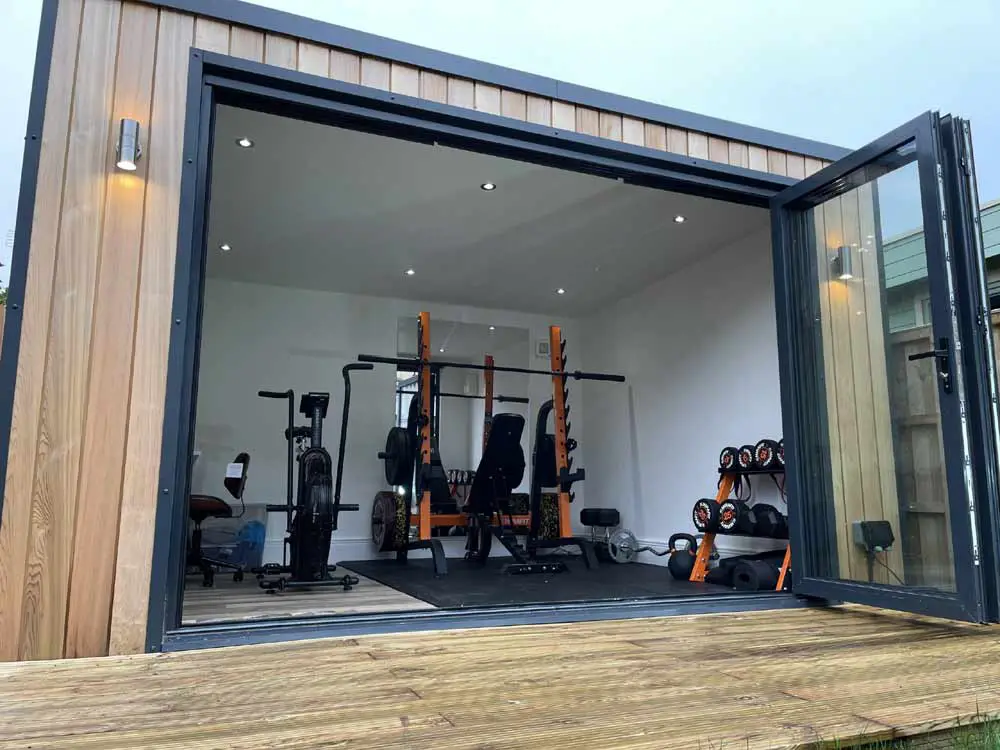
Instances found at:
x=313 y=510
x=404 y=518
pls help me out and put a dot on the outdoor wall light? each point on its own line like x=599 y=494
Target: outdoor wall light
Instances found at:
x=842 y=263
x=129 y=150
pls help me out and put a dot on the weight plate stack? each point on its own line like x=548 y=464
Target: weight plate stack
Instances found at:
x=765 y=454
x=705 y=515
x=390 y=522
x=745 y=458
x=727 y=459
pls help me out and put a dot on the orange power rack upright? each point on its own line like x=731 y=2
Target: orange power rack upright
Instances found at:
x=488 y=396
x=424 y=355
x=557 y=366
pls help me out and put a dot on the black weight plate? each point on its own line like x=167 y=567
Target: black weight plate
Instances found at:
x=727 y=459
x=705 y=515
x=390 y=522
x=399 y=457
x=727 y=516
x=550 y=516
x=766 y=454
x=731 y=514
x=781 y=452
x=745 y=458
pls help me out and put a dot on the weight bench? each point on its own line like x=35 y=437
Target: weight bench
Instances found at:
x=489 y=503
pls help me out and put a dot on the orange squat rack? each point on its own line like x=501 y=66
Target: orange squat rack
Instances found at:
x=705 y=548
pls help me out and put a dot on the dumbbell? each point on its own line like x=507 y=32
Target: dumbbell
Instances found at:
x=768 y=522
x=755 y=575
x=745 y=458
x=727 y=459
x=765 y=454
x=734 y=518
x=705 y=515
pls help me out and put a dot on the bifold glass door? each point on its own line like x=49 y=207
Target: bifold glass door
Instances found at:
x=882 y=498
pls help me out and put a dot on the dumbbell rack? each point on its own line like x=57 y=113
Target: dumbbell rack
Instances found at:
x=726 y=484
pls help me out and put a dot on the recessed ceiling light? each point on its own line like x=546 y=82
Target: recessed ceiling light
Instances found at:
x=410 y=272
x=244 y=142
x=560 y=290
x=678 y=219
x=441 y=350
x=493 y=328
x=488 y=186
x=225 y=247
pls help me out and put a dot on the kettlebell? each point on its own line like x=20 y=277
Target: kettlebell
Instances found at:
x=681 y=561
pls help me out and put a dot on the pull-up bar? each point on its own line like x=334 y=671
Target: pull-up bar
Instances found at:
x=412 y=364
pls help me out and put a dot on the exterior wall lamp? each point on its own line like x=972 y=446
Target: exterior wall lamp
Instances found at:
x=129 y=149
x=842 y=263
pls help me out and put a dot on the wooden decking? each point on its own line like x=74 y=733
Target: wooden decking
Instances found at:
x=757 y=680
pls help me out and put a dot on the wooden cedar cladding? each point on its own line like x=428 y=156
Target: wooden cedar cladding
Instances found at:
x=81 y=486
x=857 y=389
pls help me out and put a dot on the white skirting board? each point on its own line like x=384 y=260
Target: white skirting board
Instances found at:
x=363 y=549
x=728 y=546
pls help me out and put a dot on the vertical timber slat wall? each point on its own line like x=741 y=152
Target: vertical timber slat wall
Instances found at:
x=859 y=412
x=149 y=366
x=80 y=492
x=104 y=440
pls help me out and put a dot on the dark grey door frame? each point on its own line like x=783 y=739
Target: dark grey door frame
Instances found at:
x=804 y=404
x=216 y=79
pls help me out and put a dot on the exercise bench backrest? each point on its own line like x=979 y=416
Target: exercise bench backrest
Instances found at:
x=502 y=466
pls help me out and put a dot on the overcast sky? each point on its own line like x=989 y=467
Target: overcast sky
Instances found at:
x=841 y=71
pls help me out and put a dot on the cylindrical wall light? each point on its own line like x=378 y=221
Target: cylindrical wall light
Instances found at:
x=842 y=263
x=129 y=149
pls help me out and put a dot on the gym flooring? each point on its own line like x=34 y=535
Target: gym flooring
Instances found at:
x=387 y=586
x=776 y=679
x=469 y=584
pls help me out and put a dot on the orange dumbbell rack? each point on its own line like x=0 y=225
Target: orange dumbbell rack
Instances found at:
x=728 y=481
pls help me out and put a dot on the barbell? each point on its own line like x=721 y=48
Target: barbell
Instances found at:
x=623 y=547
x=414 y=364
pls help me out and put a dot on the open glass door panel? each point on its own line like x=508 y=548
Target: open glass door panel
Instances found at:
x=881 y=507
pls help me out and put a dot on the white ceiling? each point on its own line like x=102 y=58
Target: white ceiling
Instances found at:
x=318 y=207
x=463 y=342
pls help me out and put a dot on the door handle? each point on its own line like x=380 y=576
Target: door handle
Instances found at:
x=942 y=357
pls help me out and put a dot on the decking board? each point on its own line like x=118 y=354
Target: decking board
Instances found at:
x=787 y=678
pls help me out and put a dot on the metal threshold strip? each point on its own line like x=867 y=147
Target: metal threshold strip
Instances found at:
x=303 y=628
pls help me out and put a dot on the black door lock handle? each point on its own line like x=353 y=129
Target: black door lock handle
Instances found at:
x=942 y=356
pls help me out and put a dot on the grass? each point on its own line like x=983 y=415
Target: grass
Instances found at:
x=983 y=736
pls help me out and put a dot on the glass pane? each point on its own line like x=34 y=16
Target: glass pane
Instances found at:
x=887 y=518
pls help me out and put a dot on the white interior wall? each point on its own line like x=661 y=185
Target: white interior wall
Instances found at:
x=700 y=353
x=258 y=337
x=455 y=443
x=512 y=384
